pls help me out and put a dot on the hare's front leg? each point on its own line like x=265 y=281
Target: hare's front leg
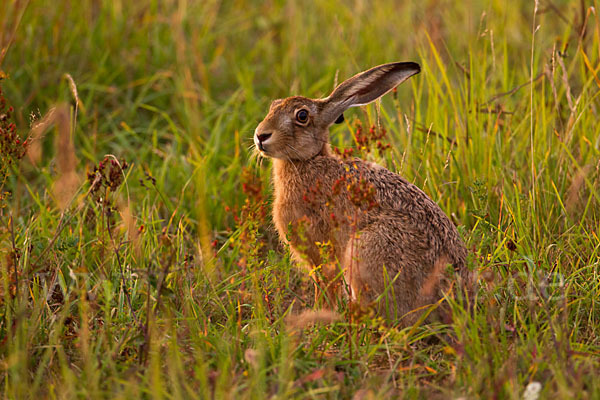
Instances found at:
x=324 y=272
x=328 y=282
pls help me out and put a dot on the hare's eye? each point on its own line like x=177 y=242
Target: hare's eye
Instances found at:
x=302 y=116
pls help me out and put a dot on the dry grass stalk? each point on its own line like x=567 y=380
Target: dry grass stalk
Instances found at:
x=132 y=230
x=434 y=278
x=73 y=87
x=311 y=317
x=573 y=201
x=34 y=153
x=251 y=357
x=68 y=180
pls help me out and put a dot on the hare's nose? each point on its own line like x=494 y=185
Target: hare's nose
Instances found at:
x=263 y=137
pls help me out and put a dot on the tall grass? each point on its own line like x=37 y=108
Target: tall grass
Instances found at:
x=138 y=256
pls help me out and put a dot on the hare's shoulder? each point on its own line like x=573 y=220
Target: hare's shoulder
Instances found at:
x=390 y=186
x=396 y=193
x=392 y=190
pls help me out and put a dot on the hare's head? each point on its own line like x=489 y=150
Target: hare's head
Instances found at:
x=296 y=128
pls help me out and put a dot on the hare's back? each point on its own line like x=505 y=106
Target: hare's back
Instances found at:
x=395 y=193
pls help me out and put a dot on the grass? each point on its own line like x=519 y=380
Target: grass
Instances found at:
x=165 y=279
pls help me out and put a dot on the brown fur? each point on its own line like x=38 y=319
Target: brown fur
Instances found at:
x=393 y=242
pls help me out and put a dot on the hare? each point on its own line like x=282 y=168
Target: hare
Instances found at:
x=394 y=245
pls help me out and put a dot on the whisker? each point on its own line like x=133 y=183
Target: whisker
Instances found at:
x=294 y=150
x=290 y=160
x=316 y=139
x=293 y=164
x=254 y=155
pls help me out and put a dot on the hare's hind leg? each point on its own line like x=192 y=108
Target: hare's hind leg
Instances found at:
x=387 y=265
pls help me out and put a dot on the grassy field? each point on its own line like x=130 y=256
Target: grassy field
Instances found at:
x=138 y=257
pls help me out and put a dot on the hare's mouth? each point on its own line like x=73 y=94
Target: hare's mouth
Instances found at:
x=261 y=140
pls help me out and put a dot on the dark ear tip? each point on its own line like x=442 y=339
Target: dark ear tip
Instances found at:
x=413 y=66
x=416 y=67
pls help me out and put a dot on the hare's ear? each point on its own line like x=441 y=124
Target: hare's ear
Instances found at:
x=366 y=87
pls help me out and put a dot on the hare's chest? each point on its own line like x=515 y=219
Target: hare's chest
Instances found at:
x=301 y=224
x=297 y=217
